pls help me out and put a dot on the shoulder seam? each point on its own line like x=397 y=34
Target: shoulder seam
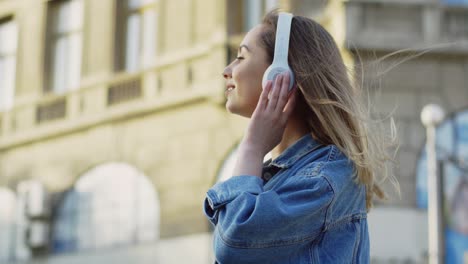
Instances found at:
x=317 y=169
x=325 y=224
x=345 y=219
x=332 y=154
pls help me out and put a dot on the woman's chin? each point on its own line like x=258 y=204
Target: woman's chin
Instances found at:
x=235 y=109
x=231 y=108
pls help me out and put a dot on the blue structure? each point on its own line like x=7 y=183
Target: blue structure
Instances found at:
x=452 y=150
x=455 y=2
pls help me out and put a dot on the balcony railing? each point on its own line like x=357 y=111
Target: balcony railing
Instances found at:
x=56 y=109
x=188 y=76
x=124 y=91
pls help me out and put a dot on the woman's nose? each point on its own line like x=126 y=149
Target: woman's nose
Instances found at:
x=227 y=73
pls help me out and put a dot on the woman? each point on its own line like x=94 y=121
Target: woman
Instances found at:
x=308 y=204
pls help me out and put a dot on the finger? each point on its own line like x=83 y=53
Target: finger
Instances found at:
x=291 y=103
x=263 y=101
x=275 y=93
x=283 y=96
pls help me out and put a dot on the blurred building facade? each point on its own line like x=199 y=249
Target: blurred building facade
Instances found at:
x=113 y=126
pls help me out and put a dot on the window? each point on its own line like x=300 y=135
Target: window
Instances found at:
x=8 y=44
x=138 y=20
x=254 y=10
x=111 y=205
x=65 y=35
x=7 y=225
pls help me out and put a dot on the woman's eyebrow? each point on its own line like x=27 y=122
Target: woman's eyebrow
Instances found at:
x=243 y=46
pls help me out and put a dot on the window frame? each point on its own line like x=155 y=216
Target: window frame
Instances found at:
x=51 y=39
x=264 y=6
x=123 y=13
x=4 y=20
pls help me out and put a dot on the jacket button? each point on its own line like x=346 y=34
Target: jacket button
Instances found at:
x=267 y=176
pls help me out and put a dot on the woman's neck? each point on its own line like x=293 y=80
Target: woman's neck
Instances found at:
x=296 y=128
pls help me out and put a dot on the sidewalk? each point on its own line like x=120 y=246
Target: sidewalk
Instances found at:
x=194 y=249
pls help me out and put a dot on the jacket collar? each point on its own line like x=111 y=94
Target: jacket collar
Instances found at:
x=294 y=152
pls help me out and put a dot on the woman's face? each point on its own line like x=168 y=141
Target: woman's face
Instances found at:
x=244 y=75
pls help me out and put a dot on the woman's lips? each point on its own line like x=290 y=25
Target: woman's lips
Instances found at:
x=229 y=89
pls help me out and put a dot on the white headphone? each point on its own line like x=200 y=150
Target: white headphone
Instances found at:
x=280 y=59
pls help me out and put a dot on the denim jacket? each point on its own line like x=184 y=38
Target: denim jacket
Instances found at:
x=306 y=208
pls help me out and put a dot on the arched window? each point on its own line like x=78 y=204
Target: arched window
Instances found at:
x=110 y=205
x=7 y=224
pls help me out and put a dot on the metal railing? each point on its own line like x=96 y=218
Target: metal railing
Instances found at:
x=124 y=91
x=49 y=111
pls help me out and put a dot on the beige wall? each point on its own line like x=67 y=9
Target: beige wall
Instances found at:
x=30 y=17
x=180 y=155
x=100 y=28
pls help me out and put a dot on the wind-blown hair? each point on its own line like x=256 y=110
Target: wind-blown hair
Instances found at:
x=335 y=108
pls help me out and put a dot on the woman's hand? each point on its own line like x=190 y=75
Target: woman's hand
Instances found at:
x=269 y=119
x=266 y=126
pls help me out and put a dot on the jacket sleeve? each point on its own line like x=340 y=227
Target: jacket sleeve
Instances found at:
x=246 y=215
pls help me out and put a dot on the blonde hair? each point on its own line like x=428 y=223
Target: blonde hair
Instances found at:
x=335 y=109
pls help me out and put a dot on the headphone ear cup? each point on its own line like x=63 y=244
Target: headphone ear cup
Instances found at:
x=272 y=71
x=266 y=76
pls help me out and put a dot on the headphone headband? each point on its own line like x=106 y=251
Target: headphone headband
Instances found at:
x=280 y=59
x=282 y=38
